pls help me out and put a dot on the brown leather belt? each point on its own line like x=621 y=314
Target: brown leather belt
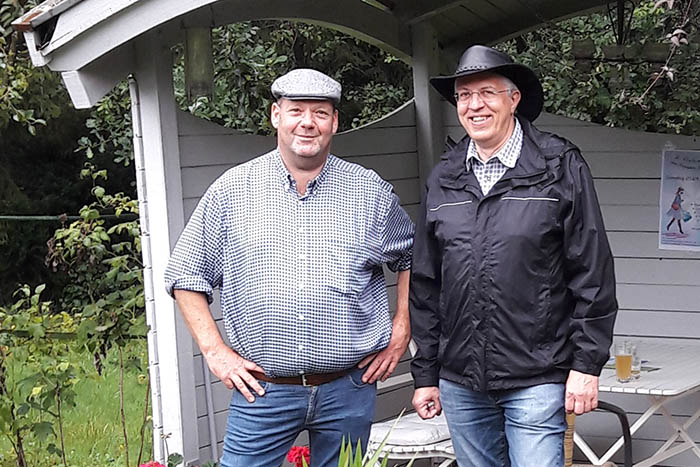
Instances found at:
x=303 y=380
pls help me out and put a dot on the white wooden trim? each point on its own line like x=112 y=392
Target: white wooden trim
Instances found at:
x=96 y=27
x=164 y=220
x=90 y=84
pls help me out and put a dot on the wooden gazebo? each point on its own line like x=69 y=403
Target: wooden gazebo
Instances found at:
x=95 y=44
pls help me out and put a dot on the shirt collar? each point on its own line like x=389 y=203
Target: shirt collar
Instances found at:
x=288 y=180
x=507 y=155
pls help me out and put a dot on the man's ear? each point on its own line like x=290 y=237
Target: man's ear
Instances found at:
x=515 y=97
x=335 y=120
x=275 y=115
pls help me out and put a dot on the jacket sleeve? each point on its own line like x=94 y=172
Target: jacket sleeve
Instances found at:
x=425 y=299
x=590 y=273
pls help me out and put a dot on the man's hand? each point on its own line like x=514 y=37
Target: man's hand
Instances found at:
x=234 y=370
x=384 y=363
x=581 y=393
x=426 y=401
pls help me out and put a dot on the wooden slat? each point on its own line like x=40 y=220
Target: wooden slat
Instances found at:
x=624 y=164
x=657 y=271
x=658 y=297
x=371 y=141
x=189 y=125
x=393 y=167
x=650 y=323
x=229 y=150
x=403 y=116
x=628 y=192
x=390 y=166
x=631 y=218
x=643 y=245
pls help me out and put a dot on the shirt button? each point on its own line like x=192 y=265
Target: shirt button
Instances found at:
x=301 y=317
x=302 y=285
x=302 y=256
x=301 y=347
x=301 y=230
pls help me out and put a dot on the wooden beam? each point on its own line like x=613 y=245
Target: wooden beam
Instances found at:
x=415 y=11
x=355 y=18
x=91 y=83
x=160 y=200
x=429 y=128
x=532 y=18
x=80 y=39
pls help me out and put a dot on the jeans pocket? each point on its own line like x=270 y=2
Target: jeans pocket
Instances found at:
x=355 y=378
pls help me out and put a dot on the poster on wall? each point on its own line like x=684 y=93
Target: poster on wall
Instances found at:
x=679 y=226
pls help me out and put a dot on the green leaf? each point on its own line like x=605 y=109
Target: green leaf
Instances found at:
x=42 y=430
x=175 y=459
x=36 y=330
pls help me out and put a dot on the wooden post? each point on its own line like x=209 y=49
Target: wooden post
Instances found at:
x=162 y=220
x=429 y=128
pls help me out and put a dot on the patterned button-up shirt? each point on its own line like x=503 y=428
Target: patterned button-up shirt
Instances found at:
x=300 y=276
x=491 y=171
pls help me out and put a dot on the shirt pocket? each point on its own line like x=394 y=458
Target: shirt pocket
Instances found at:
x=340 y=269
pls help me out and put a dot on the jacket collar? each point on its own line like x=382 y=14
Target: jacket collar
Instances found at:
x=530 y=163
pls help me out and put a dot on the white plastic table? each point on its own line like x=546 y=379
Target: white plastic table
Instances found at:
x=678 y=376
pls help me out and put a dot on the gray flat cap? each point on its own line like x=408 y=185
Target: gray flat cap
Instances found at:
x=306 y=84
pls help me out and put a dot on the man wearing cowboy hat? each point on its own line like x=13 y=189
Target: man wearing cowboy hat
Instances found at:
x=512 y=287
x=295 y=240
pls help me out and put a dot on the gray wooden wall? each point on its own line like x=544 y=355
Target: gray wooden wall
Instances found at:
x=658 y=290
x=387 y=146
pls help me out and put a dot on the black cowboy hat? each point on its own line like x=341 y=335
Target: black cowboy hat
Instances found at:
x=478 y=59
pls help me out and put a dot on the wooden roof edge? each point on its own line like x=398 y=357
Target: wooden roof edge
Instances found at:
x=41 y=14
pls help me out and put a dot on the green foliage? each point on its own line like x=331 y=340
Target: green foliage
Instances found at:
x=610 y=92
x=36 y=377
x=175 y=459
x=28 y=96
x=105 y=270
x=109 y=128
x=249 y=56
x=92 y=427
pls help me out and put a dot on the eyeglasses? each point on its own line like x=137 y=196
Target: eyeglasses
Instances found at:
x=486 y=95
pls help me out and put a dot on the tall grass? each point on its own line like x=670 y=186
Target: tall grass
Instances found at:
x=92 y=429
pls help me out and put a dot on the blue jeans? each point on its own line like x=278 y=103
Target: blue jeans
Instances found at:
x=519 y=427
x=261 y=433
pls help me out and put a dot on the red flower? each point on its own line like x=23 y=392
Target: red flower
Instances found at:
x=298 y=454
x=152 y=464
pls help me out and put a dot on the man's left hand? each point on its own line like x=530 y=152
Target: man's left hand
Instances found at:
x=581 y=393
x=384 y=363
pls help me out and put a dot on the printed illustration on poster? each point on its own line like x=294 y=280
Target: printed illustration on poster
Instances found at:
x=679 y=226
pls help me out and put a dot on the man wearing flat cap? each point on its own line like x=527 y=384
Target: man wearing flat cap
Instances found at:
x=295 y=240
x=513 y=288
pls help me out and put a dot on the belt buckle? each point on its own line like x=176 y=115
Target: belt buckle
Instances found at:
x=304 y=382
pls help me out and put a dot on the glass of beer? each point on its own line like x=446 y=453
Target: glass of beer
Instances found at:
x=623 y=361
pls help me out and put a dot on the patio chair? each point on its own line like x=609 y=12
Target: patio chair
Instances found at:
x=624 y=424
x=413 y=437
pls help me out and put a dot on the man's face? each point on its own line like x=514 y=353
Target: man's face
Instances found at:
x=304 y=128
x=487 y=121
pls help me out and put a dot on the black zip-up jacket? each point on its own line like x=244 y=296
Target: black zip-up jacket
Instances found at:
x=515 y=288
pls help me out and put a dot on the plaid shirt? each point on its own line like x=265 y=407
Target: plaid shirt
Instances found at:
x=491 y=171
x=300 y=276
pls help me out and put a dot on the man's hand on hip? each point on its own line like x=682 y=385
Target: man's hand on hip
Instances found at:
x=383 y=364
x=426 y=401
x=581 y=393
x=234 y=370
